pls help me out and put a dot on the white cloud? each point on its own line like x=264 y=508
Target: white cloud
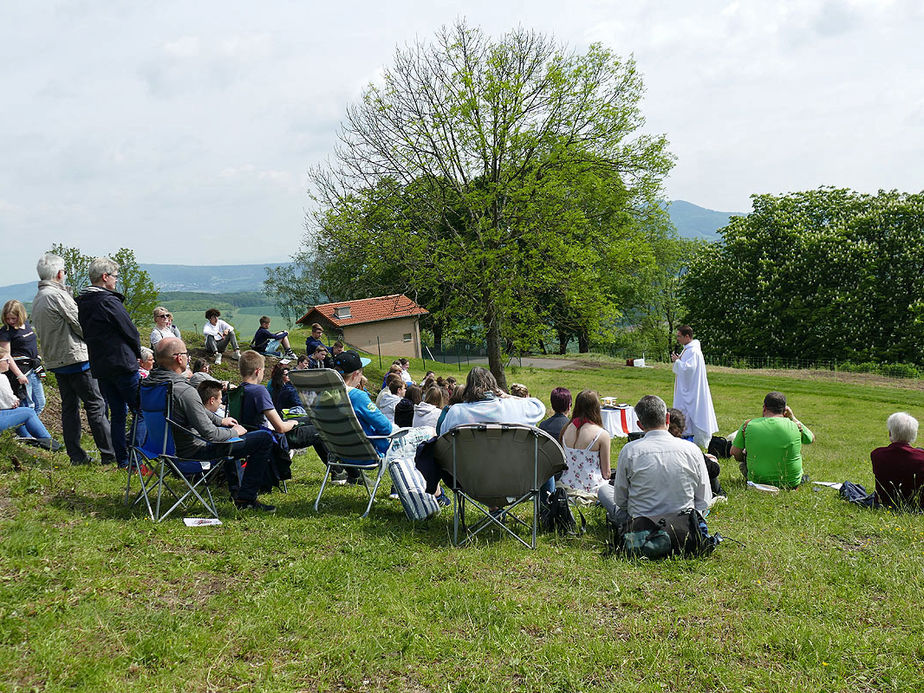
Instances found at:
x=190 y=121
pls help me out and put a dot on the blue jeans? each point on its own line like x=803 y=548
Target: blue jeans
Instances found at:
x=120 y=391
x=35 y=397
x=26 y=419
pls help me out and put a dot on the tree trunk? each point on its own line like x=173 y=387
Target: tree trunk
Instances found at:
x=542 y=347
x=437 y=336
x=495 y=358
x=583 y=342
x=563 y=339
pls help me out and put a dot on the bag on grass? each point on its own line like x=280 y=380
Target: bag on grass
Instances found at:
x=682 y=534
x=411 y=489
x=719 y=447
x=555 y=514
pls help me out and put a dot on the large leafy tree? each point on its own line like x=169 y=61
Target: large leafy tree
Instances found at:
x=135 y=284
x=464 y=149
x=823 y=274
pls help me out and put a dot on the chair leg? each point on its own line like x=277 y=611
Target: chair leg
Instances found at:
x=378 y=481
x=323 y=484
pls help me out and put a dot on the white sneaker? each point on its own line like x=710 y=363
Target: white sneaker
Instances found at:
x=217 y=359
x=236 y=355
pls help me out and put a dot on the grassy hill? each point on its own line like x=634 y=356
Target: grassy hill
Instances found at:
x=812 y=595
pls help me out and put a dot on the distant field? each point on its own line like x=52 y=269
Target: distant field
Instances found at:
x=245 y=320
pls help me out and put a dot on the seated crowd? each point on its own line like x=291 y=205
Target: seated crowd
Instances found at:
x=95 y=352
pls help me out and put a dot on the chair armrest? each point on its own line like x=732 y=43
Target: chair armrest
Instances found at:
x=391 y=436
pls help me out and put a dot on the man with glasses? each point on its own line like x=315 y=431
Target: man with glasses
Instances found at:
x=54 y=316
x=163 y=326
x=114 y=346
x=213 y=432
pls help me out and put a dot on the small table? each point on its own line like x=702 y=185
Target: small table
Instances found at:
x=620 y=421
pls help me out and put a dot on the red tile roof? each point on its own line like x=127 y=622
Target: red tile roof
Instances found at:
x=363 y=310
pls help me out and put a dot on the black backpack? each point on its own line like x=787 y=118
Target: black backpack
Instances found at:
x=555 y=514
x=719 y=447
x=682 y=534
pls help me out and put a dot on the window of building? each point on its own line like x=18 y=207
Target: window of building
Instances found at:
x=343 y=312
x=408 y=336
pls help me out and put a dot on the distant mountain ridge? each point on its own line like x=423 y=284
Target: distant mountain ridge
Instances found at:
x=691 y=221
x=212 y=279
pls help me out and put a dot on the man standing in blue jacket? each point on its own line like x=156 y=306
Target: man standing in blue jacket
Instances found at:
x=114 y=347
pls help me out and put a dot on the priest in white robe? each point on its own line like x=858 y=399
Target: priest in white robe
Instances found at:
x=691 y=388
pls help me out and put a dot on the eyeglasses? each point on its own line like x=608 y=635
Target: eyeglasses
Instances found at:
x=163 y=315
x=182 y=353
x=112 y=274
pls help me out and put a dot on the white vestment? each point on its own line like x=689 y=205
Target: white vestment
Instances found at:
x=692 y=396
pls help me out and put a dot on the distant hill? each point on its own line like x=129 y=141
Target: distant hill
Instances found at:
x=693 y=221
x=210 y=279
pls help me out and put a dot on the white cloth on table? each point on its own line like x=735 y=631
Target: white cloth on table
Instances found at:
x=620 y=421
x=692 y=396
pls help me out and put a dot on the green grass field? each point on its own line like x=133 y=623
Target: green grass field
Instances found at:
x=817 y=596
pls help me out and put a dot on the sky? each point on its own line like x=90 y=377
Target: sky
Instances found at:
x=167 y=127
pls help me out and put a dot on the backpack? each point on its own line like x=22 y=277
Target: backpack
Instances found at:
x=720 y=447
x=555 y=514
x=682 y=534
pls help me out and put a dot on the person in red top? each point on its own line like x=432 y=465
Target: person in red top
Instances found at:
x=899 y=468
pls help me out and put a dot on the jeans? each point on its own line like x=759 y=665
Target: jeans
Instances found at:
x=24 y=417
x=76 y=388
x=120 y=391
x=35 y=397
x=218 y=346
x=257 y=447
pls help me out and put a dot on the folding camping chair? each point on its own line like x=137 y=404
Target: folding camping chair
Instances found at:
x=183 y=480
x=501 y=466
x=325 y=398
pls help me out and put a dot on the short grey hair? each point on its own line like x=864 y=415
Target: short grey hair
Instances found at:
x=100 y=266
x=146 y=354
x=49 y=265
x=903 y=427
x=651 y=411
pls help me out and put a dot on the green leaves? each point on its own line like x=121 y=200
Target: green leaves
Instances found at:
x=827 y=274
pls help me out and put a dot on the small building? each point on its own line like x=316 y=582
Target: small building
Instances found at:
x=386 y=324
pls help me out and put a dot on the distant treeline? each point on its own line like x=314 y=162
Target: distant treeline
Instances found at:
x=200 y=300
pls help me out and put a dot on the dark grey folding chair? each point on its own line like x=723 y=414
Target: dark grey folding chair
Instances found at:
x=325 y=398
x=497 y=466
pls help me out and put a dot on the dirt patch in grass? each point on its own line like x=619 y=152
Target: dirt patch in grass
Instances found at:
x=7 y=509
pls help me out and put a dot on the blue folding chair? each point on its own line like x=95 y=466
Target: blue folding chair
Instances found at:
x=182 y=479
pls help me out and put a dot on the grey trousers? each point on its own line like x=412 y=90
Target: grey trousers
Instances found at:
x=218 y=346
x=606 y=494
x=76 y=388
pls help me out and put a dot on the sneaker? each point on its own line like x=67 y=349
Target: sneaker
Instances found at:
x=393 y=494
x=48 y=444
x=339 y=478
x=444 y=499
x=254 y=505
x=236 y=355
x=217 y=359
x=355 y=480
x=290 y=354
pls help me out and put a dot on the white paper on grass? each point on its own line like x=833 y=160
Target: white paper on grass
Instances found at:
x=201 y=521
x=830 y=484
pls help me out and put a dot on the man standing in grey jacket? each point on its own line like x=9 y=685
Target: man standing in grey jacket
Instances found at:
x=54 y=317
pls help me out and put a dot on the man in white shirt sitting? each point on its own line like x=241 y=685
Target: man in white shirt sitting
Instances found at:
x=219 y=335
x=657 y=475
x=396 y=391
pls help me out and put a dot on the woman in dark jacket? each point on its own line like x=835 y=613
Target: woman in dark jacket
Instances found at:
x=283 y=393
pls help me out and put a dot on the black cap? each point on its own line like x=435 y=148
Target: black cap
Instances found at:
x=349 y=361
